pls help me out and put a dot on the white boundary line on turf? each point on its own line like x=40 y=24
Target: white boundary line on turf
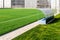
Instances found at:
x=18 y=18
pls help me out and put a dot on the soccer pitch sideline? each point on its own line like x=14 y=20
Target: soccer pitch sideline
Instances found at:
x=11 y=19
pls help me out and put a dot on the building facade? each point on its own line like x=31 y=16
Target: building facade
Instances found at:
x=5 y=3
x=24 y=4
x=43 y=4
x=55 y=4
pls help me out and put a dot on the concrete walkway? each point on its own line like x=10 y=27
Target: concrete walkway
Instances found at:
x=19 y=31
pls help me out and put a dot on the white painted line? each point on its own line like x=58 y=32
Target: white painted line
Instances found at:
x=18 y=18
x=19 y=31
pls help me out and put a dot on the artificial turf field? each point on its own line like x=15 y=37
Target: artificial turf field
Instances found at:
x=43 y=32
x=11 y=19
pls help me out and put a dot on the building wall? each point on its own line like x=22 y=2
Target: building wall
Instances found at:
x=27 y=3
x=7 y=3
x=43 y=4
x=17 y=3
x=30 y=3
x=53 y=4
x=1 y=3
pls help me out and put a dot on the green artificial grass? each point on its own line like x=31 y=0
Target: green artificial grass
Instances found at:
x=43 y=32
x=11 y=19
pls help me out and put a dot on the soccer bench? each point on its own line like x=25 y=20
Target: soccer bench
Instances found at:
x=49 y=16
